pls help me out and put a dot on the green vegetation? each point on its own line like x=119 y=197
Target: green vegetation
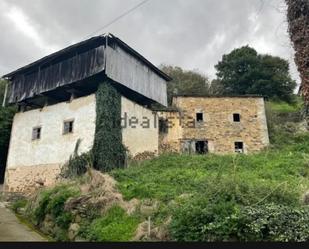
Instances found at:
x=283 y=120
x=224 y=194
x=114 y=226
x=202 y=220
x=258 y=197
x=284 y=107
x=185 y=82
x=51 y=202
x=244 y=71
x=255 y=197
x=6 y=119
x=108 y=130
x=77 y=165
x=249 y=178
x=17 y=205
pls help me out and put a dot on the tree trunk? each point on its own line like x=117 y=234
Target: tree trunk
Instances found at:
x=298 y=19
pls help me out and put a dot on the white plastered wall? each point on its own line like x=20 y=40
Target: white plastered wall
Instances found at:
x=31 y=161
x=142 y=133
x=53 y=147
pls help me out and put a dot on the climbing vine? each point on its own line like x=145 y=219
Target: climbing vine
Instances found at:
x=108 y=150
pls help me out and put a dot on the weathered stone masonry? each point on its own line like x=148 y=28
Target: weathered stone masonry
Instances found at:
x=218 y=127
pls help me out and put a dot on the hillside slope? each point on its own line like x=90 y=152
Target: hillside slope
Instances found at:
x=260 y=197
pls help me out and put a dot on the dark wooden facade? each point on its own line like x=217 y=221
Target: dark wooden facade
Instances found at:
x=79 y=69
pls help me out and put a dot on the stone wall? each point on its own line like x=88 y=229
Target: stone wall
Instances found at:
x=218 y=127
x=169 y=142
x=27 y=179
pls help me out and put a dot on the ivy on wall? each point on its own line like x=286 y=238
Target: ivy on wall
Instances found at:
x=108 y=150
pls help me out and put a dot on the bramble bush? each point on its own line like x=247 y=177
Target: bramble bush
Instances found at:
x=51 y=201
x=202 y=220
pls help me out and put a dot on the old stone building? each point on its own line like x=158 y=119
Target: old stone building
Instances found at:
x=214 y=125
x=57 y=107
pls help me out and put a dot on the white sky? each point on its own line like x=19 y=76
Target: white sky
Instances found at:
x=193 y=34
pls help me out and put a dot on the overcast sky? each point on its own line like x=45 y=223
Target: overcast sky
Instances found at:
x=193 y=34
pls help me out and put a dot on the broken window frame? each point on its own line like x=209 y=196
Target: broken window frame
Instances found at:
x=36 y=133
x=68 y=127
x=236 y=117
x=239 y=147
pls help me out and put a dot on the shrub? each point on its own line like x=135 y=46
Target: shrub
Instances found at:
x=190 y=221
x=202 y=220
x=52 y=202
x=77 y=165
x=274 y=223
x=64 y=220
x=17 y=205
x=116 y=225
x=247 y=189
x=38 y=214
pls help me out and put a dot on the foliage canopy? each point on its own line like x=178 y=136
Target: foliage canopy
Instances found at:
x=185 y=82
x=244 y=71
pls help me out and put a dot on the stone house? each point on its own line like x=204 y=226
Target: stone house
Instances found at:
x=218 y=125
x=56 y=96
x=57 y=107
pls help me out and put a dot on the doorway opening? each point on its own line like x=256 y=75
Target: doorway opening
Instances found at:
x=201 y=147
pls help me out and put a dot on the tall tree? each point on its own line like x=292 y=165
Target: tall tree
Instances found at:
x=298 y=19
x=244 y=71
x=185 y=82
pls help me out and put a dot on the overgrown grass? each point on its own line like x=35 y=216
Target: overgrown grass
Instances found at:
x=114 y=226
x=19 y=204
x=220 y=198
x=279 y=175
x=284 y=107
x=51 y=202
x=210 y=198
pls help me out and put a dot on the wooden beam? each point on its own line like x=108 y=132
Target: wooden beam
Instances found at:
x=50 y=97
x=5 y=95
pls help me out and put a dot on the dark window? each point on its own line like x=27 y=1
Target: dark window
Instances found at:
x=201 y=147
x=163 y=126
x=199 y=117
x=236 y=117
x=239 y=147
x=36 y=133
x=68 y=127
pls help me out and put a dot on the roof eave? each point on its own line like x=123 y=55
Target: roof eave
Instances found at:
x=67 y=49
